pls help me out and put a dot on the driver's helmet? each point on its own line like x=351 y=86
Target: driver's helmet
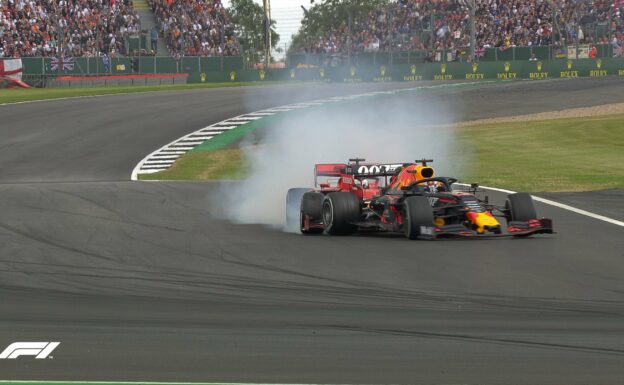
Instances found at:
x=370 y=183
x=434 y=187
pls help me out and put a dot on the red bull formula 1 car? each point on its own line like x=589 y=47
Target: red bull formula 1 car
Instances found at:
x=403 y=198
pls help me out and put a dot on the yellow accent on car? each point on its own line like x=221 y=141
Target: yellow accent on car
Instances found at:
x=481 y=220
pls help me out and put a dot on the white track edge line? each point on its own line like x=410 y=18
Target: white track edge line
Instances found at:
x=558 y=205
x=137 y=168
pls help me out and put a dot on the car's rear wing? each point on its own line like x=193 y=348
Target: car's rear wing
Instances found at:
x=357 y=167
x=328 y=170
x=332 y=169
x=374 y=169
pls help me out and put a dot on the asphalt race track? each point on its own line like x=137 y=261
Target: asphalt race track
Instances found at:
x=139 y=282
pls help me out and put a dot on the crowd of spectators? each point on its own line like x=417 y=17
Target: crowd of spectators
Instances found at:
x=431 y=25
x=77 y=27
x=203 y=28
x=195 y=27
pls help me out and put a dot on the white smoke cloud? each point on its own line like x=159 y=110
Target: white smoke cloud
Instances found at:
x=381 y=129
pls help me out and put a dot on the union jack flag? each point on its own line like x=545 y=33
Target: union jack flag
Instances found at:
x=62 y=64
x=480 y=52
x=618 y=50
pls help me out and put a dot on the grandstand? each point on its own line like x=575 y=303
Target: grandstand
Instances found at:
x=76 y=27
x=410 y=25
x=195 y=28
x=88 y=28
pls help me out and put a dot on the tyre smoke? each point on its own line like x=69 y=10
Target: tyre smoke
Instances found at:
x=399 y=128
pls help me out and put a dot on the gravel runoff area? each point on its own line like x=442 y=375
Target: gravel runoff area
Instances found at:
x=583 y=112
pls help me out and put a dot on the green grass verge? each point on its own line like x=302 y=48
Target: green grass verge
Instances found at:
x=32 y=94
x=552 y=155
x=221 y=164
x=580 y=154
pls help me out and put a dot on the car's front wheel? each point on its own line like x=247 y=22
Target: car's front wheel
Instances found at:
x=418 y=219
x=311 y=209
x=293 y=206
x=520 y=207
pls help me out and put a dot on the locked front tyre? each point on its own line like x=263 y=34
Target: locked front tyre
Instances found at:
x=293 y=208
x=310 y=214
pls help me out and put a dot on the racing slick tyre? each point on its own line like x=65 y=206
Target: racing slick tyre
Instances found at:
x=520 y=207
x=340 y=210
x=418 y=215
x=293 y=208
x=312 y=206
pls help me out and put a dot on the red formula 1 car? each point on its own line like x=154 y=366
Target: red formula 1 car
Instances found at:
x=404 y=198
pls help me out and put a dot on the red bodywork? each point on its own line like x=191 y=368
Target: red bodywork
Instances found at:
x=346 y=181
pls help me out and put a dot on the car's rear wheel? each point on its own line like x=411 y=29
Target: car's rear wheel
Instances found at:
x=311 y=207
x=340 y=211
x=418 y=217
x=520 y=207
x=293 y=207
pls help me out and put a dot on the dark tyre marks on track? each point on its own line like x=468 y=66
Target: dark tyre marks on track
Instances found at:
x=140 y=282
